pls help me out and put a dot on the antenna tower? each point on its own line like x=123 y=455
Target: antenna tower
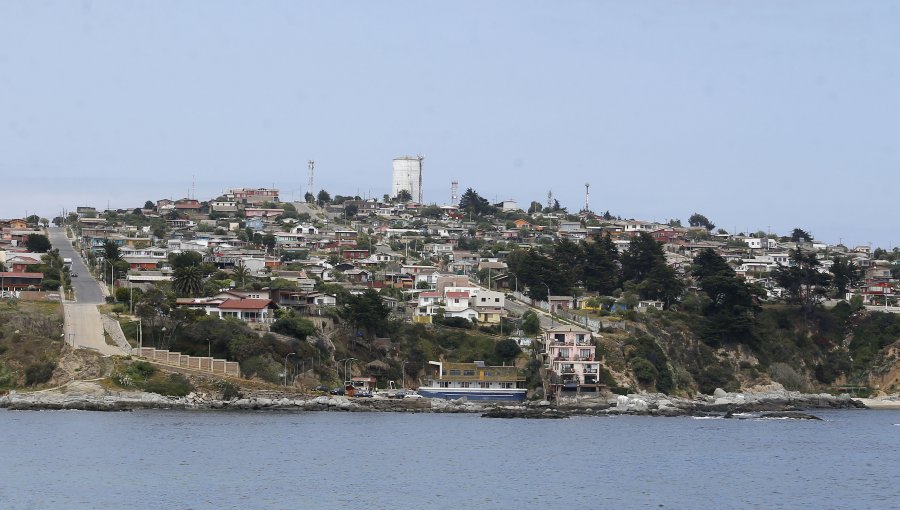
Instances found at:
x=421 y=157
x=454 y=190
x=550 y=199
x=193 y=188
x=587 y=196
x=312 y=170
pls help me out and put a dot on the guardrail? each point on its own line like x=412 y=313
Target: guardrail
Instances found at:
x=201 y=363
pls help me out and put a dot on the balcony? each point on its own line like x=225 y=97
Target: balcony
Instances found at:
x=568 y=370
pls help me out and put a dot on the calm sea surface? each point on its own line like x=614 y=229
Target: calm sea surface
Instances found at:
x=209 y=460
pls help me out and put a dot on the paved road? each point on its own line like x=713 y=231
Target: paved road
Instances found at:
x=519 y=309
x=87 y=289
x=83 y=324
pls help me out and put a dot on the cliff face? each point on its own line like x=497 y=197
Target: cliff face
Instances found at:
x=672 y=352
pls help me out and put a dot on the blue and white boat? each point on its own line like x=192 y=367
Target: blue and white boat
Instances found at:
x=474 y=381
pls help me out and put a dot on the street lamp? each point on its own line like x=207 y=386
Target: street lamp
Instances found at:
x=348 y=367
x=403 y=370
x=549 y=306
x=285 y=366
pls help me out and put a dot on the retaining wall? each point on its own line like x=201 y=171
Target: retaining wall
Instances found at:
x=199 y=363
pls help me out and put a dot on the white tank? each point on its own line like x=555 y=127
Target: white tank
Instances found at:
x=407 y=176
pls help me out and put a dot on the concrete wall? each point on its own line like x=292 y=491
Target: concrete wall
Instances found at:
x=198 y=363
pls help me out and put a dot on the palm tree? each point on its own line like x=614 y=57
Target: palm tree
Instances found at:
x=241 y=274
x=187 y=281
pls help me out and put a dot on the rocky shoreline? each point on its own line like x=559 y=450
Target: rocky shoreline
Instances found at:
x=774 y=403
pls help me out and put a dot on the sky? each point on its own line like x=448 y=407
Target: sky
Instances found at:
x=759 y=115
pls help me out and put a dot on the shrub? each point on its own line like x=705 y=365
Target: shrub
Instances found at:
x=644 y=371
x=230 y=390
x=787 y=376
x=39 y=373
x=176 y=385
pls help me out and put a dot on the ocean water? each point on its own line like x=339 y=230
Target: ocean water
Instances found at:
x=228 y=460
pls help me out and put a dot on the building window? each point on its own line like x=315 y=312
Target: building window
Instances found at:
x=454 y=372
x=469 y=373
x=484 y=385
x=464 y=385
x=445 y=384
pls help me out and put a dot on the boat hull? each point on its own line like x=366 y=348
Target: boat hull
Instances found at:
x=515 y=395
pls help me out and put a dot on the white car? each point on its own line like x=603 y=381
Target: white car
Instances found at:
x=412 y=395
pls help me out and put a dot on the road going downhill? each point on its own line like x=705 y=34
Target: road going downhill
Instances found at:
x=84 y=327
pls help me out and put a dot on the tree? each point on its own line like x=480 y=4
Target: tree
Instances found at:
x=699 y=220
x=323 y=197
x=600 y=271
x=240 y=274
x=185 y=259
x=37 y=243
x=403 y=196
x=296 y=327
x=535 y=207
x=799 y=235
x=187 y=281
x=732 y=307
x=644 y=264
x=367 y=313
x=149 y=205
x=507 y=350
x=111 y=251
x=269 y=242
x=844 y=274
x=309 y=197
x=473 y=203
x=531 y=324
x=351 y=210
x=802 y=280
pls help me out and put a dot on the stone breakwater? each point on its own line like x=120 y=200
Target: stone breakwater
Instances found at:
x=91 y=396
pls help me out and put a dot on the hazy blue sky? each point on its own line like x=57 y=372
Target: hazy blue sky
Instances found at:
x=757 y=114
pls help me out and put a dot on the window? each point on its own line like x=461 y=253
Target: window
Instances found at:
x=445 y=384
x=469 y=372
x=484 y=385
x=454 y=372
x=464 y=385
x=496 y=300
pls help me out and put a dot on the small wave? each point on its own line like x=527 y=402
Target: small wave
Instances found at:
x=707 y=417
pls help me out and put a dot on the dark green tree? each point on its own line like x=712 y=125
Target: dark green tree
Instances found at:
x=323 y=197
x=730 y=312
x=37 y=243
x=403 y=196
x=472 y=202
x=531 y=324
x=644 y=264
x=185 y=259
x=802 y=280
x=800 y=235
x=367 y=313
x=699 y=220
x=600 y=271
x=187 y=281
x=845 y=273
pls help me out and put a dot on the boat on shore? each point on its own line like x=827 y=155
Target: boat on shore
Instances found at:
x=474 y=381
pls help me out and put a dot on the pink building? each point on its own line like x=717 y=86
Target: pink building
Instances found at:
x=571 y=358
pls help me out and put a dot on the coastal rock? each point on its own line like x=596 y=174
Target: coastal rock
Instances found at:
x=794 y=415
x=719 y=393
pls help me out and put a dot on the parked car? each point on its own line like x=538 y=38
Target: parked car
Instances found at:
x=74 y=275
x=413 y=395
x=337 y=391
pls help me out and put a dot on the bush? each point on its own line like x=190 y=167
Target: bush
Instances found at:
x=39 y=373
x=787 y=376
x=230 y=390
x=644 y=371
x=176 y=385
